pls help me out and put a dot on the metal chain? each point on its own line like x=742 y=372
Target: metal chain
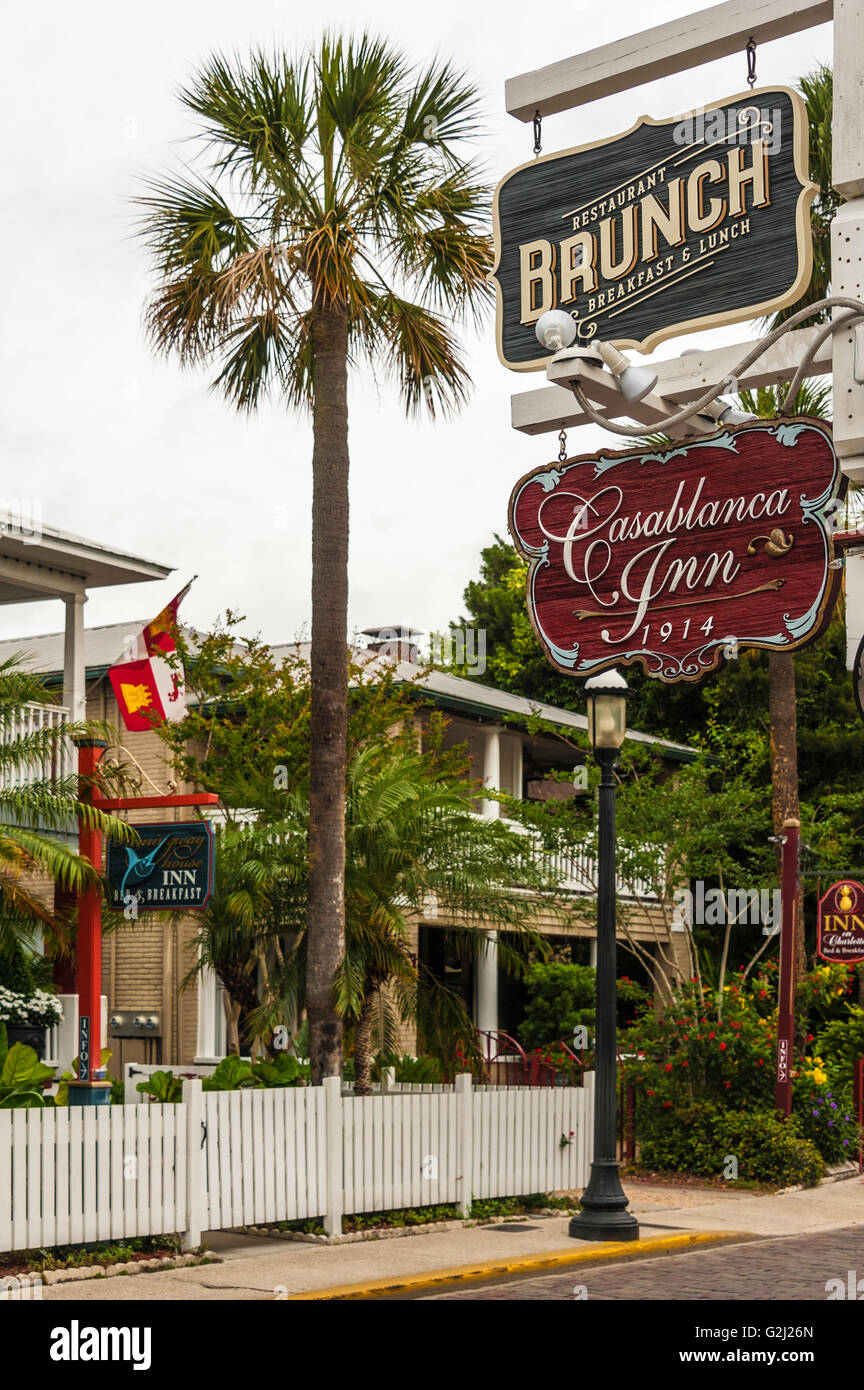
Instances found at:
x=538 y=142
x=751 y=63
x=562 y=446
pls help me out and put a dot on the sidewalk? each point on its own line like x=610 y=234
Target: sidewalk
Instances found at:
x=671 y=1219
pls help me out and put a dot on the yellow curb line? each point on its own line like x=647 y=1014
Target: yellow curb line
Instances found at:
x=555 y=1259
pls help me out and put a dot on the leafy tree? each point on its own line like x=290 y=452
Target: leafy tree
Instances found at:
x=338 y=219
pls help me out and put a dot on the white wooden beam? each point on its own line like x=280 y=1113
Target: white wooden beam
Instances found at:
x=600 y=388
x=847 y=229
x=679 y=379
x=669 y=48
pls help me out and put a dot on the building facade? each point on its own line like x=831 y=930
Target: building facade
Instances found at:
x=160 y=1011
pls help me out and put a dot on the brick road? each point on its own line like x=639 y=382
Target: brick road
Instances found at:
x=789 y=1268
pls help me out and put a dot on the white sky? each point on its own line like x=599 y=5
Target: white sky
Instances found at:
x=121 y=448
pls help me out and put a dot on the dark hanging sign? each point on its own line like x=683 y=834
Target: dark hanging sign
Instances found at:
x=678 y=558
x=675 y=225
x=170 y=868
x=840 y=925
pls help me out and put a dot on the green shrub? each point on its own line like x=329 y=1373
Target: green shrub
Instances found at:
x=701 y=1137
x=416 y=1071
x=559 y=998
x=841 y=1043
x=770 y=1149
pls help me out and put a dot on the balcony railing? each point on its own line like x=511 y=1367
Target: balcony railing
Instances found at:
x=575 y=871
x=57 y=762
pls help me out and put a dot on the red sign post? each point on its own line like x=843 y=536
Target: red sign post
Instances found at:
x=91 y=1088
x=679 y=557
x=786 y=1001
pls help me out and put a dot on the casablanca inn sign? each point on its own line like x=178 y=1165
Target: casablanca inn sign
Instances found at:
x=677 y=558
x=675 y=225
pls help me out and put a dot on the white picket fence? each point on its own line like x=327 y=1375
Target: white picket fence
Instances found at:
x=223 y=1159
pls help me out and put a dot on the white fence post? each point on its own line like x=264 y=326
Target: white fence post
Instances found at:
x=193 y=1104
x=462 y=1087
x=333 y=1131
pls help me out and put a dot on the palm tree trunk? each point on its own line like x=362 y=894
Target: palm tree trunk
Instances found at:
x=329 y=671
x=784 y=766
x=363 y=1048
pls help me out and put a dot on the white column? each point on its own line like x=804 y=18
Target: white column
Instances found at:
x=486 y=967
x=847 y=231
x=854 y=603
x=492 y=770
x=74 y=677
x=210 y=1041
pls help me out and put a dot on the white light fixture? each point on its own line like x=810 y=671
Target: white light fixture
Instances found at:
x=607 y=709
x=731 y=415
x=556 y=330
x=635 y=383
x=723 y=412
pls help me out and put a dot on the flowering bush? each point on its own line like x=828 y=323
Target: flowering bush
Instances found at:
x=689 y=1054
x=701 y=1054
x=40 y=1009
x=827 y=1118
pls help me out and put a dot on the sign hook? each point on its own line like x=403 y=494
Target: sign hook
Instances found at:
x=562 y=446
x=751 y=62
x=538 y=144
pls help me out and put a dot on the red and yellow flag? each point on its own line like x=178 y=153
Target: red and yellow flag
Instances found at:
x=150 y=689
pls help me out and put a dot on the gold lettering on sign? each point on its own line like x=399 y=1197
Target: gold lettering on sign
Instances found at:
x=610 y=268
x=578 y=260
x=537 y=278
x=669 y=221
x=697 y=218
x=740 y=176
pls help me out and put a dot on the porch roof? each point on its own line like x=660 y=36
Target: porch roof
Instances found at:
x=104 y=645
x=39 y=562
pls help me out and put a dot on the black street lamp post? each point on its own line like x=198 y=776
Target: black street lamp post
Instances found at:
x=604 y=1214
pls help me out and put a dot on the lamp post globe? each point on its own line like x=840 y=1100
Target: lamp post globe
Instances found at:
x=604 y=1214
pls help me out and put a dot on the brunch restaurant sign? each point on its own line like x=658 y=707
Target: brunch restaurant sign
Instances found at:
x=841 y=923
x=675 y=225
x=677 y=558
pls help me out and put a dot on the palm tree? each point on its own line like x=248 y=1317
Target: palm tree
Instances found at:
x=337 y=219
x=34 y=802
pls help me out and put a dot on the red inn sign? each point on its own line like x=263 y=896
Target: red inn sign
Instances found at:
x=678 y=557
x=841 y=923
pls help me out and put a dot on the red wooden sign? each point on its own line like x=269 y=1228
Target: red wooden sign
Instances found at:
x=840 y=930
x=679 y=557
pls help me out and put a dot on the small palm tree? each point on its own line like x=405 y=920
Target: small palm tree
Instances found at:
x=412 y=841
x=259 y=899
x=34 y=801
x=338 y=219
